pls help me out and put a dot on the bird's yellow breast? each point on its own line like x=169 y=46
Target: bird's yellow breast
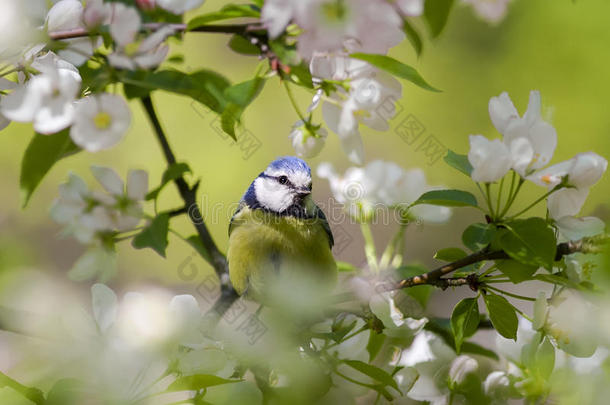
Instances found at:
x=263 y=244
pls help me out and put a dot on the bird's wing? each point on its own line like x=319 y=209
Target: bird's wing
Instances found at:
x=240 y=207
x=319 y=215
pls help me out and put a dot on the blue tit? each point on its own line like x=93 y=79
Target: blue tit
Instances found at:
x=278 y=230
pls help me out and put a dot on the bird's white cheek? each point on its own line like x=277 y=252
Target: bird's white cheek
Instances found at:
x=272 y=195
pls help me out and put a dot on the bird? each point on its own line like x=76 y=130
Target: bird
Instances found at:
x=278 y=232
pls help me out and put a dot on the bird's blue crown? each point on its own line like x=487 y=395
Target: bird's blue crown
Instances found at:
x=283 y=164
x=290 y=163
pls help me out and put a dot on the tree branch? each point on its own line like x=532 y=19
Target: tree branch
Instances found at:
x=434 y=277
x=220 y=29
x=189 y=196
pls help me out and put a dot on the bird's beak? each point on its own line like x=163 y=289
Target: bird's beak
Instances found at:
x=303 y=191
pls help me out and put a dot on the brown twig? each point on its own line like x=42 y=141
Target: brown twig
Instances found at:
x=434 y=277
x=219 y=29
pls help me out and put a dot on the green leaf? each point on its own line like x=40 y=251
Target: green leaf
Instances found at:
x=555 y=279
x=33 y=394
x=154 y=236
x=447 y=198
x=436 y=14
x=67 y=391
x=450 y=254
x=458 y=162
x=198 y=382
x=374 y=344
x=413 y=37
x=477 y=236
x=242 y=46
x=502 y=315
x=375 y=373
x=173 y=172
x=204 y=86
x=345 y=266
x=239 y=95
x=442 y=328
x=39 y=157
x=530 y=241
x=242 y=94
x=195 y=242
x=229 y=119
x=394 y=67
x=516 y=271
x=474 y=348
x=545 y=358
x=464 y=320
x=225 y=13
x=301 y=75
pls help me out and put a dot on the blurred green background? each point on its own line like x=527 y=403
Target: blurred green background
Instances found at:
x=559 y=47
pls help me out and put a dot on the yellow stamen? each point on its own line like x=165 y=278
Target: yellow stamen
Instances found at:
x=102 y=120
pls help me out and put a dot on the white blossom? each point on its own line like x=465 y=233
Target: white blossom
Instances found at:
x=496 y=384
x=461 y=367
x=577 y=175
x=307 y=141
x=530 y=140
x=179 y=6
x=381 y=184
x=19 y=27
x=431 y=357
x=47 y=99
x=101 y=121
x=67 y=15
x=492 y=11
x=573 y=228
x=371 y=26
x=370 y=100
x=490 y=160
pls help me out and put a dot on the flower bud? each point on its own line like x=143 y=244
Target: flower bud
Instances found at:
x=305 y=141
x=496 y=383
x=587 y=169
x=460 y=368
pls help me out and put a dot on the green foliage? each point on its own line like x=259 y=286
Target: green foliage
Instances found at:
x=375 y=373
x=458 y=162
x=516 y=271
x=436 y=14
x=374 y=345
x=502 y=315
x=530 y=241
x=450 y=254
x=477 y=236
x=198 y=382
x=227 y=12
x=154 y=235
x=239 y=96
x=39 y=157
x=33 y=394
x=241 y=45
x=413 y=36
x=204 y=86
x=464 y=320
x=447 y=198
x=172 y=173
x=395 y=67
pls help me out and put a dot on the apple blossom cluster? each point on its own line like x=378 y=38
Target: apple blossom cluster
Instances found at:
x=49 y=91
x=90 y=214
x=527 y=147
x=380 y=184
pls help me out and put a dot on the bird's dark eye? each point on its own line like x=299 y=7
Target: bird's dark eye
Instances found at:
x=282 y=179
